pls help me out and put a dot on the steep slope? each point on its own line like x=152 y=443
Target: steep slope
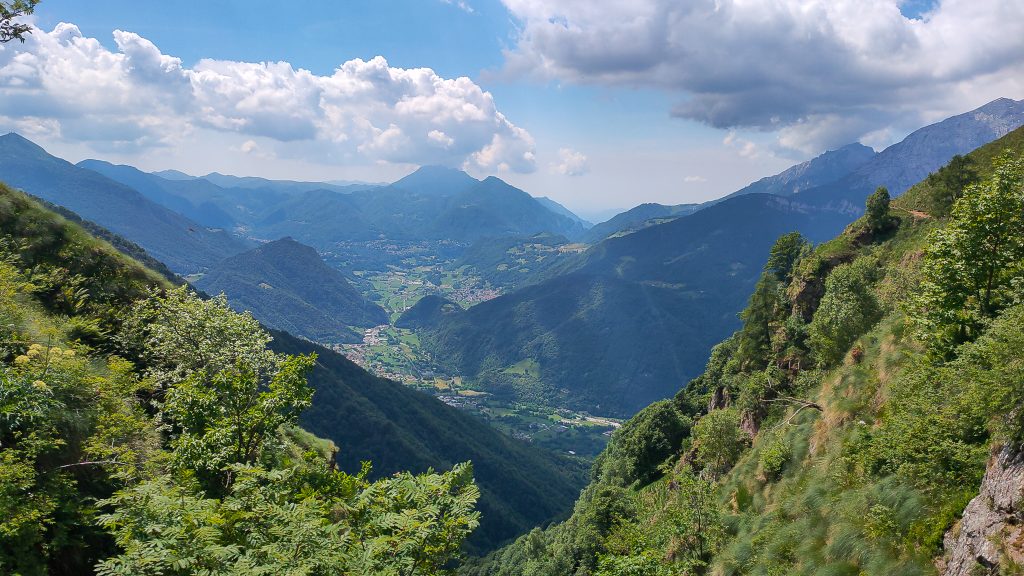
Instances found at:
x=369 y=418
x=182 y=244
x=287 y=286
x=784 y=457
x=712 y=257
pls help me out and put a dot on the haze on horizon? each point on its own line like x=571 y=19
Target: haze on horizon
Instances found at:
x=597 y=106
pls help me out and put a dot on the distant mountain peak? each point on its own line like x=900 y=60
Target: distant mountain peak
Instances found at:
x=173 y=175
x=436 y=181
x=433 y=169
x=825 y=168
x=15 y=140
x=289 y=247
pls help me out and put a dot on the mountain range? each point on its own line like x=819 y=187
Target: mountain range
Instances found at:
x=610 y=328
x=367 y=418
x=824 y=169
x=185 y=245
x=842 y=176
x=632 y=318
x=432 y=203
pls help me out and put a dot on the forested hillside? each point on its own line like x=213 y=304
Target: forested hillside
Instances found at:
x=287 y=286
x=846 y=425
x=431 y=204
x=632 y=318
x=70 y=429
x=148 y=433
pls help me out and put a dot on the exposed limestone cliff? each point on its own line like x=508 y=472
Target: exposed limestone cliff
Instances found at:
x=989 y=539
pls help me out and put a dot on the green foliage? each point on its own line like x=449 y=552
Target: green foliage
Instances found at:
x=184 y=335
x=876 y=211
x=191 y=464
x=679 y=538
x=759 y=323
x=639 y=447
x=857 y=468
x=414 y=524
x=949 y=183
x=847 y=310
x=775 y=453
x=48 y=418
x=784 y=254
x=226 y=393
x=272 y=522
x=228 y=419
x=974 y=267
x=718 y=440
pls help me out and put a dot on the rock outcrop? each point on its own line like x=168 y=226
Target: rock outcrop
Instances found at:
x=989 y=539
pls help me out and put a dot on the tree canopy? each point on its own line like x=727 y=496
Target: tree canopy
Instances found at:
x=9 y=13
x=974 y=267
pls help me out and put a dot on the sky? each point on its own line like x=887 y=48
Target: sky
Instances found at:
x=598 y=105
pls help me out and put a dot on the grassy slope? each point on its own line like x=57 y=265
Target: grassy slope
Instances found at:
x=868 y=484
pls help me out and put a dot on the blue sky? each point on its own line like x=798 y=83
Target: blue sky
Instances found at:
x=598 y=105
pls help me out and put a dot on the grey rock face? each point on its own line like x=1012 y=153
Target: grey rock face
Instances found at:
x=990 y=536
x=824 y=169
x=902 y=165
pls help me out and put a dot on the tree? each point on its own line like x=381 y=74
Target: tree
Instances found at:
x=270 y=523
x=226 y=394
x=877 y=210
x=718 y=440
x=644 y=442
x=847 y=310
x=759 y=318
x=240 y=497
x=182 y=335
x=9 y=11
x=787 y=249
x=974 y=267
x=229 y=418
x=950 y=181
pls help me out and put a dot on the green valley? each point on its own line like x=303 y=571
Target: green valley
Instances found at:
x=849 y=425
x=512 y=288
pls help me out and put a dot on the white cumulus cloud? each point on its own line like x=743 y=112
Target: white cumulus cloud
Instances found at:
x=137 y=97
x=570 y=163
x=828 y=71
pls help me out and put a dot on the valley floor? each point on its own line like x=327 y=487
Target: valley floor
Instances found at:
x=416 y=270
